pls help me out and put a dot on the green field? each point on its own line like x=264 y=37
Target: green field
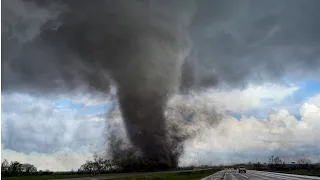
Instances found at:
x=168 y=176
x=171 y=176
x=46 y=177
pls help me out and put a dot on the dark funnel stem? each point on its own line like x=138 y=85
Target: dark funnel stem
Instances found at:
x=145 y=123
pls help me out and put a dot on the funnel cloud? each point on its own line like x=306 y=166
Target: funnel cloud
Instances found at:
x=152 y=49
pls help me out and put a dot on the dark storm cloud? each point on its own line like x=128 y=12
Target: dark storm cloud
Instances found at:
x=233 y=41
x=258 y=40
x=141 y=45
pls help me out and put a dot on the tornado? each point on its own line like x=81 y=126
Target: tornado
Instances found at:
x=146 y=68
x=144 y=87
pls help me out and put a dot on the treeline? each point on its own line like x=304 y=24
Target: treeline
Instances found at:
x=101 y=165
x=275 y=163
x=16 y=168
x=98 y=165
x=131 y=164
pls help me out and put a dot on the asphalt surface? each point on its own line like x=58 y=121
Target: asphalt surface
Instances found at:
x=258 y=175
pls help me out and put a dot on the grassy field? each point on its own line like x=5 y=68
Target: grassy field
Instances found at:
x=171 y=176
x=165 y=176
x=46 y=177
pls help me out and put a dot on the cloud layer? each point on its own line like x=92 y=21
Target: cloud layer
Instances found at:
x=42 y=131
x=32 y=124
x=64 y=160
x=256 y=42
x=249 y=138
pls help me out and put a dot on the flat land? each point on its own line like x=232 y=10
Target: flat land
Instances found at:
x=190 y=175
x=46 y=177
x=171 y=176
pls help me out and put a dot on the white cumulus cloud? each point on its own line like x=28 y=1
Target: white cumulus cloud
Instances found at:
x=315 y=100
x=35 y=130
x=241 y=100
x=236 y=140
x=63 y=160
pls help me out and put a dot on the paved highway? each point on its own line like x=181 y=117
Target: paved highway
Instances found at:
x=258 y=175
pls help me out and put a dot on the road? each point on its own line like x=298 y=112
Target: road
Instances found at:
x=258 y=175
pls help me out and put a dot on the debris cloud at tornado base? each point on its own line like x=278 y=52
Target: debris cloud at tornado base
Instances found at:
x=152 y=50
x=185 y=117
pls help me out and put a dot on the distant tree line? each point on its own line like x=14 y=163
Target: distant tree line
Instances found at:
x=130 y=164
x=98 y=165
x=276 y=163
x=101 y=165
x=16 y=168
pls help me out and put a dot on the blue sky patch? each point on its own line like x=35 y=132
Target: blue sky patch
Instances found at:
x=292 y=103
x=82 y=108
x=307 y=89
x=66 y=104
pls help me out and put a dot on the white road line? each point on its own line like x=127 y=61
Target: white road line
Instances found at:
x=243 y=175
x=289 y=175
x=233 y=177
x=259 y=176
x=280 y=176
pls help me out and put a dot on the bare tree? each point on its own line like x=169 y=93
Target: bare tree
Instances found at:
x=271 y=159
x=304 y=163
x=275 y=162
